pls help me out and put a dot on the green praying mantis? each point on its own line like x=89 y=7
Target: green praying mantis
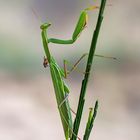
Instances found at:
x=58 y=74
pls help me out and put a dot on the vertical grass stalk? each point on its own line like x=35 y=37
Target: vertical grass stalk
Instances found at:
x=90 y=122
x=88 y=69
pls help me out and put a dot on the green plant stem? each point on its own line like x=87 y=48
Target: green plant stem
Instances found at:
x=90 y=122
x=88 y=69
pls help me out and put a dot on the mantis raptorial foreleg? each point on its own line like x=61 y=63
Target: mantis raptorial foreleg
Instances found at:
x=45 y=62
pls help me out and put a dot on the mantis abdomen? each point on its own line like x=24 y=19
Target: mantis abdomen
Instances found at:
x=60 y=93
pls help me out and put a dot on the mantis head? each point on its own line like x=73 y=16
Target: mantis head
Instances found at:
x=45 y=26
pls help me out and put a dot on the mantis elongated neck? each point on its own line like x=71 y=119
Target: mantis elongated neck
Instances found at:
x=45 y=44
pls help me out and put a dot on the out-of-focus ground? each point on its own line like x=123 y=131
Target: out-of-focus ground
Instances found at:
x=28 y=109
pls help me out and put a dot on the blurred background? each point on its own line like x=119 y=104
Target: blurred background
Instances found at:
x=28 y=109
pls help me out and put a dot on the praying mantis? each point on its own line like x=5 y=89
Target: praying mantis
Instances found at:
x=58 y=74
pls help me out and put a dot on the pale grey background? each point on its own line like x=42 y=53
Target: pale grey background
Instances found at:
x=27 y=102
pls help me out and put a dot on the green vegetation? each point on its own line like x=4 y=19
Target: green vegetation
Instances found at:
x=57 y=74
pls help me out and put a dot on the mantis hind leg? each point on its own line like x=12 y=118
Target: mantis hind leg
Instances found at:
x=64 y=100
x=108 y=57
x=66 y=72
x=74 y=67
x=66 y=97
